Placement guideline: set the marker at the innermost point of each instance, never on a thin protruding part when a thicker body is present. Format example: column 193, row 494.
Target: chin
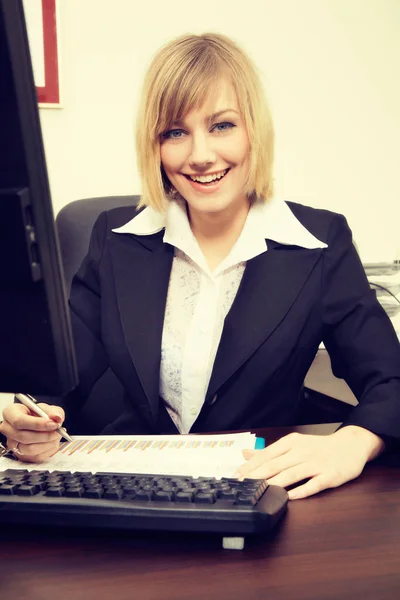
column 207, row 205
column 212, row 205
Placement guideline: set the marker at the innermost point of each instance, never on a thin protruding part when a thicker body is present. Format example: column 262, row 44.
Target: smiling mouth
column 207, row 179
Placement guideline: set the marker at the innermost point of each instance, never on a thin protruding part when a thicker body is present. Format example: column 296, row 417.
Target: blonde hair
column 177, row 82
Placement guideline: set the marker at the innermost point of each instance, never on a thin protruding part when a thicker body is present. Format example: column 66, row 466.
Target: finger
column 38, row 458
column 257, row 457
column 258, row 467
column 281, row 446
column 13, row 446
column 253, row 464
column 46, row 433
column 35, row 437
column 293, row 475
column 249, row 453
column 18, row 416
column 310, row 488
column 34, row 450
column 56, row 413
column 240, row 473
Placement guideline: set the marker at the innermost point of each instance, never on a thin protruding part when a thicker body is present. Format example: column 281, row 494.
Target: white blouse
column 198, row 300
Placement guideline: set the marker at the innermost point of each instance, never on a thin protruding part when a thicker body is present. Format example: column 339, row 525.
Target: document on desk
column 192, row 455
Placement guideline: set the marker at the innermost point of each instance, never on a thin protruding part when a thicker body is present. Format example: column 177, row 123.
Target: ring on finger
column 16, row 449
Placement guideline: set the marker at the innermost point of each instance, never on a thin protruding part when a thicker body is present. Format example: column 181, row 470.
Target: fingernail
column 51, row 425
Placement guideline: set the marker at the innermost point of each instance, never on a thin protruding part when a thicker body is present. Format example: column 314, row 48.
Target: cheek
column 244, row 149
column 171, row 158
column 164, row 158
column 237, row 151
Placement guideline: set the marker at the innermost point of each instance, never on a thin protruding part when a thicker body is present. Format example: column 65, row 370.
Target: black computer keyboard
column 141, row 502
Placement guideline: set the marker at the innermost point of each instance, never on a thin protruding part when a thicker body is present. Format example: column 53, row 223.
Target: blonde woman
column 208, row 306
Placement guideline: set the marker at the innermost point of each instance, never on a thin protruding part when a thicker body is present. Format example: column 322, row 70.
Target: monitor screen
column 36, row 349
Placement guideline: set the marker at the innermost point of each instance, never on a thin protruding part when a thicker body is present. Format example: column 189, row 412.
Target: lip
column 206, row 174
column 210, row 188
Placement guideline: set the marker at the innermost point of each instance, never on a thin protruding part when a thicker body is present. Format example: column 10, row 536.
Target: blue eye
column 173, row 134
column 220, row 127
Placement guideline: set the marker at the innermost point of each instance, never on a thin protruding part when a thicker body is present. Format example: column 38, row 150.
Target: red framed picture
column 43, row 32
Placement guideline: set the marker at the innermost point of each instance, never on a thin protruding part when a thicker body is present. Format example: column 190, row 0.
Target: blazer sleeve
column 359, row 336
column 85, row 311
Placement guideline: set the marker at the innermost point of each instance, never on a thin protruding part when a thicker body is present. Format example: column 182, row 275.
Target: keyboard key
column 113, row 494
column 144, row 495
column 162, row 495
column 27, row 490
column 90, row 481
column 8, row 489
column 187, row 490
column 73, row 492
column 93, row 492
column 166, row 488
column 204, row 487
column 205, row 498
column 72, row 481
column 245, row 500
column 249, row 493
column 54, row 481
column 126, row 480
column 39, row 483
column 130, row 489
column 55, row 491
column 184, row 497
column 108, row 481
column 228, row 495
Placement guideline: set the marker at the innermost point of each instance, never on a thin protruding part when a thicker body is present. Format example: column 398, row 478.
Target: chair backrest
column 74, row 224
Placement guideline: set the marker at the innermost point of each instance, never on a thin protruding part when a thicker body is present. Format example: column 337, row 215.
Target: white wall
column 331, row 68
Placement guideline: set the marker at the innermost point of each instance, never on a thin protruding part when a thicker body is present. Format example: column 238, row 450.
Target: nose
column 202, row 155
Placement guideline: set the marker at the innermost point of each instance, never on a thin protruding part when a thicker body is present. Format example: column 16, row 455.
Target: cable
column 381, row 287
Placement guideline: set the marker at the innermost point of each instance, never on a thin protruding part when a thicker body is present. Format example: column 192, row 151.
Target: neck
column 216, row 233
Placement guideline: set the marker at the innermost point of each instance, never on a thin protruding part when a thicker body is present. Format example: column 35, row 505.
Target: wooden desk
column 342, row 544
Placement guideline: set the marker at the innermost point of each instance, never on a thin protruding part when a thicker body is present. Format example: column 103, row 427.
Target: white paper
column 192, row 455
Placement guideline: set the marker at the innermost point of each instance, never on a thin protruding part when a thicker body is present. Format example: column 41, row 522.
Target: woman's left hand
column 325, row 461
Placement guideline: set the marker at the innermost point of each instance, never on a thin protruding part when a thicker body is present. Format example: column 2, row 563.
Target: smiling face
column 206, row 155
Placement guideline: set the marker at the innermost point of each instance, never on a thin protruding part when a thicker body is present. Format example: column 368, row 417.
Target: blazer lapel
column 142, row 267
column 270, row 284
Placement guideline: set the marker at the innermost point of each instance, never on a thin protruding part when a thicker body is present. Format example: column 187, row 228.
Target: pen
column 31, row 403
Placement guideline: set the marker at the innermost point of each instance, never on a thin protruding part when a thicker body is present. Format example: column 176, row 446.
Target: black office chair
column 74, row 224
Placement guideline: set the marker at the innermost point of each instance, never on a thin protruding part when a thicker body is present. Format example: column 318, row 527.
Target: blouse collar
column 271, row 220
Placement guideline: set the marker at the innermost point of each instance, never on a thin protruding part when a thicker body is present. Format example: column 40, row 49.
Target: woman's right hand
column 33, row 439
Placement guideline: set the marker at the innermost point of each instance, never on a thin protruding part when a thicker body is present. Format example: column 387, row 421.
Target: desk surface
column 339, row 545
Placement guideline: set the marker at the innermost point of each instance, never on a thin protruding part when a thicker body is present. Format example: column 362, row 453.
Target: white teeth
column 208, row 178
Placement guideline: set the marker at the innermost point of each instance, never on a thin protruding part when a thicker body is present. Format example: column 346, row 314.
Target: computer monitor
column 36, row 348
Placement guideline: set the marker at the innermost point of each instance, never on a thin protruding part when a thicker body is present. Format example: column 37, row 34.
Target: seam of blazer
column 104, row 239
column 336, row 221
column 323, row 272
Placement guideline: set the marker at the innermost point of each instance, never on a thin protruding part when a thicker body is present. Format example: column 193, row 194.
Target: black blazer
column 289, row 300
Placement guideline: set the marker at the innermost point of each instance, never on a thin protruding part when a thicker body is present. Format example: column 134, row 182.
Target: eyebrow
column 210, row 118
